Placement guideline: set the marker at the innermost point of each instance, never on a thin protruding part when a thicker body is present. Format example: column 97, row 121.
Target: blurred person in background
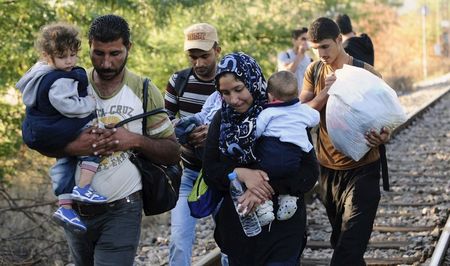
column 295, row 59
column 360, row 47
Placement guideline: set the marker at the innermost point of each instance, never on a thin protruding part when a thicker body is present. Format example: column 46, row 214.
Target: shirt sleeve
column 261, row 122
column 63, row 95
column 159, row 125
column 312, row 114
column 171, row 96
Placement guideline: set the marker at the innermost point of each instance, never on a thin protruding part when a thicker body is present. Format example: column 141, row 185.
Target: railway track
column 412, row 215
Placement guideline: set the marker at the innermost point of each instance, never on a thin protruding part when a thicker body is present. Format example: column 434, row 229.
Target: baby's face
column 65, row 61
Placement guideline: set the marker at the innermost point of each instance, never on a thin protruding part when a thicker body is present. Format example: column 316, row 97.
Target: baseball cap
column 200, row 36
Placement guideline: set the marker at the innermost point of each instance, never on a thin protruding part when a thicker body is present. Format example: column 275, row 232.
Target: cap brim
column 202, row 45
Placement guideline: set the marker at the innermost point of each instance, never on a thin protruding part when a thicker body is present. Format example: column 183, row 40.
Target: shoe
column 87, row 194
column 287, row 207
column 69, row 219
column 265, row 213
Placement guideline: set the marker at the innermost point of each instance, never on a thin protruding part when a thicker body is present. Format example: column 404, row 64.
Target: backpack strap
column 145, row 113
column 381, row 148
column 144, row 105
column 358, row 63
column 384, row 167
column 182, row 80
column 316, row 71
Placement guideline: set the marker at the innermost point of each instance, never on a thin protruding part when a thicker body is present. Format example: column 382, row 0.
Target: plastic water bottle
column 250, row 222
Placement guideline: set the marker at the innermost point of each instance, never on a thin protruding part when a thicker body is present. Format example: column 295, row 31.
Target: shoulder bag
column 160, row 183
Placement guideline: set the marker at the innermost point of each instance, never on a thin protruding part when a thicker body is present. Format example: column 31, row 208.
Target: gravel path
column 153, row 248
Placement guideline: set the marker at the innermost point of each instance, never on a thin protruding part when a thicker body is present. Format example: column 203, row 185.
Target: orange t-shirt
column 327, row 154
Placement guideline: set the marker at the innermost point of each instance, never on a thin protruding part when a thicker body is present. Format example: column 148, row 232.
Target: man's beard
column 204, row 72
column 109, row 74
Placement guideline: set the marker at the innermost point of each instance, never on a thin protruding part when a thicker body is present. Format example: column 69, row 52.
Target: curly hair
column 58, row 38
column 323, row 28
column 109, row 28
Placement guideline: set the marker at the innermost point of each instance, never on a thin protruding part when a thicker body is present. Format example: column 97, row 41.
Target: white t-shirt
column 288, row 123
column 116, row 176
column 288, row 57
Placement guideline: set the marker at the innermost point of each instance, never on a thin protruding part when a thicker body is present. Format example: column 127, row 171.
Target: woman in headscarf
column 230, row 148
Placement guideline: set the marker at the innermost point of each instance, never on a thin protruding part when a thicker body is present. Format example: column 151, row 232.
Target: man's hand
column 374, row 139
column 120, row 140
column 329, row 80
column 198, row 136
column 91, row 141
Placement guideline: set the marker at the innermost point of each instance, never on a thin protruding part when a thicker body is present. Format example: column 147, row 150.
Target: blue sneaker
column 69, row 219
column 87, row 194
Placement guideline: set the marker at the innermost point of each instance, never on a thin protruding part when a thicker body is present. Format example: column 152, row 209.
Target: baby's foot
column 265, row 213
column 287, row 207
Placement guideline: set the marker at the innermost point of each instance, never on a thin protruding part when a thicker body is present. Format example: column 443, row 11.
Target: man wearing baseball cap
column 186, row 92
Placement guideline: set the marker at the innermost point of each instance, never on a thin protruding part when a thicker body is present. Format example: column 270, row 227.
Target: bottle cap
column 232, row 175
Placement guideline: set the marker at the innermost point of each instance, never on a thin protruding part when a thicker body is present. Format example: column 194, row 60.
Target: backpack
column 382, row 148
column 182, row 80
column 203, row 200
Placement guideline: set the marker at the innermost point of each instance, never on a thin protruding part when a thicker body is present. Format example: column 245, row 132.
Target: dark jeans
column 112, row 238
column 272, row 153
column 293, row 261
column 351, row 199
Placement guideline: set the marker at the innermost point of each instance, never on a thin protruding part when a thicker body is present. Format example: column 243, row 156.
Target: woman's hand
column 374, row 139
column 248, row 203
column 256, row 181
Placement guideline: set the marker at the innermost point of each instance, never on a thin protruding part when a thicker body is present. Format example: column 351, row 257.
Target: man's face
column 204, row 62
column 108, row 58
column 301, row 43
column 327, row 50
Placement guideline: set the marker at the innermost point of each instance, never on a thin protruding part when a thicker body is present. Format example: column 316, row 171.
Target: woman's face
column 235, row 93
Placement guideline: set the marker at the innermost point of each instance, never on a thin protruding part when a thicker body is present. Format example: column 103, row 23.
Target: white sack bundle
column 359, row 101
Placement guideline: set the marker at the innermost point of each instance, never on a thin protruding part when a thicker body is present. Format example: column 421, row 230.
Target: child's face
column 64, row 61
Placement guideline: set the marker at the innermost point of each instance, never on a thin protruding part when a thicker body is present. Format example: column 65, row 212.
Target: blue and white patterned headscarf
column 238, row 131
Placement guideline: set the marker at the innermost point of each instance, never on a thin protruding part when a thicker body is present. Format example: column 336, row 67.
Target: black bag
column 160, row 183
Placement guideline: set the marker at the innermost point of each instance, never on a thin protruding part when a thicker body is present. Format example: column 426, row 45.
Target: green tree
column 260, row 28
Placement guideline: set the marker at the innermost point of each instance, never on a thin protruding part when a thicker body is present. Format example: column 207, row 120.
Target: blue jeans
column 112, row 238
column 182, row 231
column 62, row 174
